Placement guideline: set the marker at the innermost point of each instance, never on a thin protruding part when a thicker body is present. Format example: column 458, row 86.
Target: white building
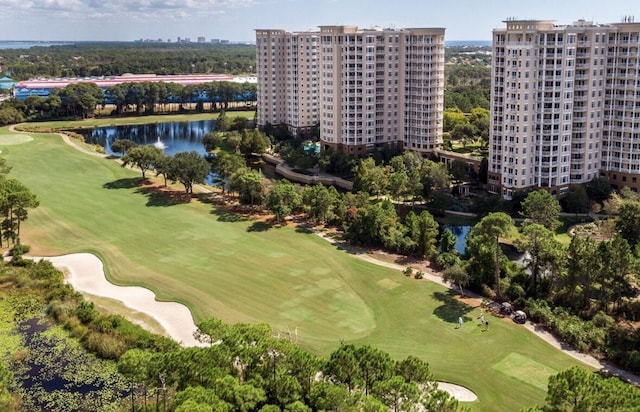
column 363, row 88
column 565, row 105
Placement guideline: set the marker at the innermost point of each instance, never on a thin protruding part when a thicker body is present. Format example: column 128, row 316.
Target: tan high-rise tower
column 364, row 88
column 565, row 105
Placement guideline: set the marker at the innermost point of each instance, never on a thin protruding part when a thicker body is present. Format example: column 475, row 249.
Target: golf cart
column 506, row 308
column 519, row 317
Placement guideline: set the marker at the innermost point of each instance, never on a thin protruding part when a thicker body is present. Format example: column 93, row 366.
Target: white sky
column 127, row 20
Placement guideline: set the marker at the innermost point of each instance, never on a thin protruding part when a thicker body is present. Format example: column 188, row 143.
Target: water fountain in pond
column 159, row 144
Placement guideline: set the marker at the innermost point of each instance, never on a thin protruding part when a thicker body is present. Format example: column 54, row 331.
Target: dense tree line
column 467, row 85
column 82, row 99
column 85, row 59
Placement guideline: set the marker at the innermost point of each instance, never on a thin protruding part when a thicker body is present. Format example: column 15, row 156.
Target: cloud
column 148, row 9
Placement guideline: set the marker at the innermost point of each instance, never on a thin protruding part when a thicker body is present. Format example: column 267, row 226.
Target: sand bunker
column 459, row 392
column 85, row 273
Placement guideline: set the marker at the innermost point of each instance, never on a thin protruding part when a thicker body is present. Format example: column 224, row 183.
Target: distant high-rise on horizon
column 363, row 88
column 565, row 105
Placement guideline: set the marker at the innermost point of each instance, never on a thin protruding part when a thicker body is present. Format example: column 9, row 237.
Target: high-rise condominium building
column 363, row 88
column 565, row 105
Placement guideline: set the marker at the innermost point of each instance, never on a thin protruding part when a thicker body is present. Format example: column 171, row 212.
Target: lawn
column 243, row 271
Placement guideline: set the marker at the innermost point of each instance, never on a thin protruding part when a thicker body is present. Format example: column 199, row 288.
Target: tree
column 122, row 145
column 10, row 115
column 599, row 189
column 576, row 201
column 544, row 250
column 225, row 164
column 304, row 366
column 142, row 157
column 343, row 366
column 212, row 141
column 369, row 178
column 483, row 247
column 616, row 263
column 628, row 221
column 456, row 275
column 282, row 199
column 15, row 201
column 540, row 207
column 415, row 370
column 447, row 241
column 396, row 393
column 197, row 398
column 326, row 396
column 423, row 230
column 222, row 122
column 211, row 330
column 253, row 142
column 375, row 365
column 434, row 177
column 576, row 282
column 189, row 168
column 163, row 167
column 133, row 365
column 577, row 389
column 249, row 185
column 464, row 133
column 320, row 201
column 79, row 99
column 376, row 225
column 453, row 118
column 479, row 118
column 440, row 401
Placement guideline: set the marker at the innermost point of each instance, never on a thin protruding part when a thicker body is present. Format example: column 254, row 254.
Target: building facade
column 363, row 88
column 287, row 70
column 565, row 105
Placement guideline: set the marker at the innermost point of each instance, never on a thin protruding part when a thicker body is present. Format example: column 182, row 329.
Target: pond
column 460, row 232
column 56, row 374
column 171, row 137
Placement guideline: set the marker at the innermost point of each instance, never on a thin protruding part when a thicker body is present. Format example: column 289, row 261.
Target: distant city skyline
column 129, row 20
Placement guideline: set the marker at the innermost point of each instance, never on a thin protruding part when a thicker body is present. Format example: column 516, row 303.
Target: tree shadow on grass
column 451, row 308
column 162, row 197
column 126, row 183
column 259, row 226
column 225, row 215
column 303, row 229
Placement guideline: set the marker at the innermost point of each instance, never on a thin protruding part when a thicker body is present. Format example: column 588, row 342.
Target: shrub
column 19, row 250
column 419, row 274
column 408, row 271
column 105, row 345
column 86, row 312
column 539, row 311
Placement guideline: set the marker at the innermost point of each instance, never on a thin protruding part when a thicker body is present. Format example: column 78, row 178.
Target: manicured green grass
column 243, row 271
column 7, row 139
column 116, row 121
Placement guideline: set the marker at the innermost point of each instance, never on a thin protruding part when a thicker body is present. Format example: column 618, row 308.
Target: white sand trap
column 85, row 273
column 459, row 392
